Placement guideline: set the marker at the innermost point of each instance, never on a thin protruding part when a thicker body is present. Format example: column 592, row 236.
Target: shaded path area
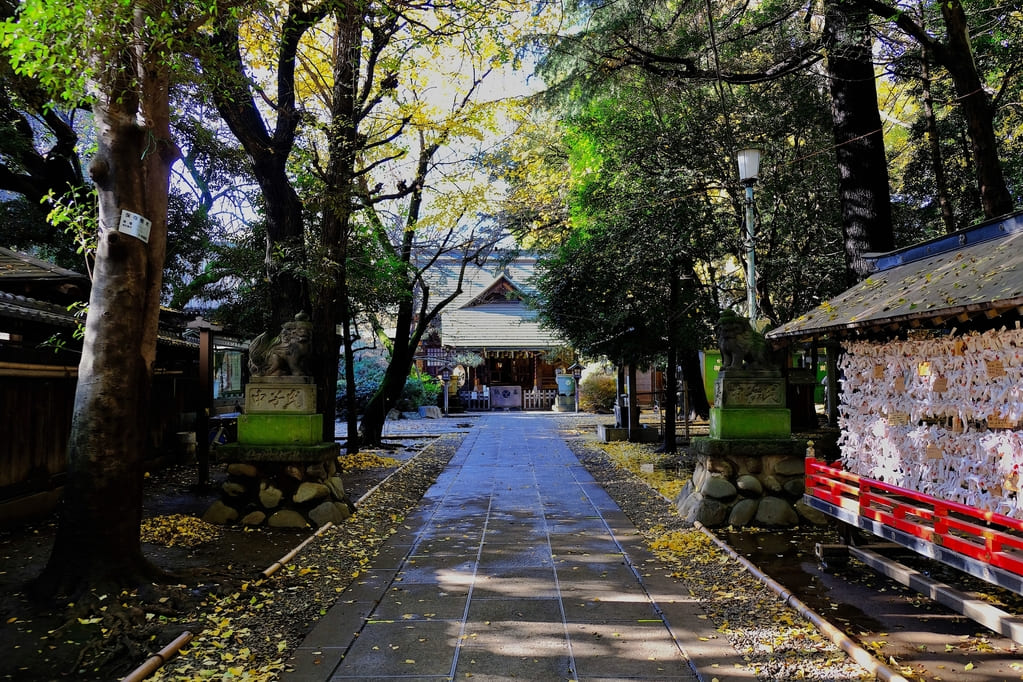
column 515, row 565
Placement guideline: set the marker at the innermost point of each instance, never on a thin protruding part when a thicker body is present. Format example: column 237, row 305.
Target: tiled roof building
column 493, row 323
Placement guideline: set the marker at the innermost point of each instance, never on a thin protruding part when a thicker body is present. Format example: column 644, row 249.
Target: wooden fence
column 35, row 422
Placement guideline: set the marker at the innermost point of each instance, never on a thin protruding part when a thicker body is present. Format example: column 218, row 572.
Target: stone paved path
column 516, row 565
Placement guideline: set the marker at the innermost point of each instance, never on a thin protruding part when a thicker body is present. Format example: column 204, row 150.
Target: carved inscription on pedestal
column 268, row 398
column 750, row 393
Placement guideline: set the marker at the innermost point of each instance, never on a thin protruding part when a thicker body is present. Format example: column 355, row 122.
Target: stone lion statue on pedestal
column 284, row 355
column 741, row 346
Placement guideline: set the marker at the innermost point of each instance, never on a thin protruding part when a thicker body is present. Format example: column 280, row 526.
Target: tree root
column 121, row 625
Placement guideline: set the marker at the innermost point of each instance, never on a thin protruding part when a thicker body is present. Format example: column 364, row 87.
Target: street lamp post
column 749, row 169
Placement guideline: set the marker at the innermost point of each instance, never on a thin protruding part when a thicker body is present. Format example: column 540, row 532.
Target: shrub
column 369, row 373
column 420, row 389
column 597, row 393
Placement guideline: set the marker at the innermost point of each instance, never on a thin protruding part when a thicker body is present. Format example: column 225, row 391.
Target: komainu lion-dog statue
column 284, row 355
column 741, row 346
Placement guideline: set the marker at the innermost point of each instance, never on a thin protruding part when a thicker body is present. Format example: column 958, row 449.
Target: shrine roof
column 496, row 326
column 16, row 266
column 49, row 314
column 479, row 280
column 977, row 271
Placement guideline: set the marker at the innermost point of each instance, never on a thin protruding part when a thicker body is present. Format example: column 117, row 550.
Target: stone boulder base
column 220, row 514
column 745, row 482
column 743, row 512
column 749, row 485
column 718, row 488
column 774, row 512
column 329, row 512
column 254, row 518
column 814, row 516
column 283, row 487
column 287, row 518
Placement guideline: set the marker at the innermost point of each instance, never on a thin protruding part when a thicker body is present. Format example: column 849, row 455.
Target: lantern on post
column 445, row 377
column 577, row 371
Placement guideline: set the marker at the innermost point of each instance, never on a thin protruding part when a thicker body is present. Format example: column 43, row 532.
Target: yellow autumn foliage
column 692, row 544
column 633, row 456
column 366, row 460
column 177, row 530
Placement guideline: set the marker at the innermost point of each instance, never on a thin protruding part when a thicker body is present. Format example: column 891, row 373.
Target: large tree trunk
column 268, row 153
column 670, row 406
column 863, row 169
column 934, row 145
column 289, row 293
column 957, row 56
column 352, row 420
column 388, row 393
column 693, row 377
column 97, row 543
column 977, row 111
column 330, row 284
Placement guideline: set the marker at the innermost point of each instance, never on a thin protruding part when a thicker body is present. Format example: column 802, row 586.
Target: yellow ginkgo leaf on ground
column 177, row 530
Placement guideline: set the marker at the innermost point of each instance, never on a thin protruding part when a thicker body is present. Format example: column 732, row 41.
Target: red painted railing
column 981, row 535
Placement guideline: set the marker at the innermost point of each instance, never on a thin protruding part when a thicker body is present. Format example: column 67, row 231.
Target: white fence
column 532, row 399
column 539, row 400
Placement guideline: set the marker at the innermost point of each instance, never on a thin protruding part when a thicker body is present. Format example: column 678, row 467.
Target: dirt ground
column 45, row 643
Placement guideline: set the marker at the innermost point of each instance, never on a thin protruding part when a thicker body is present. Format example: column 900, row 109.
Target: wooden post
column 202, row 414
column 204, row 408
column 832, row 400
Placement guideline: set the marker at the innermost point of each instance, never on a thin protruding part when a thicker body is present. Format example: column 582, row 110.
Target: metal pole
column 751, row 267
column 445, row 397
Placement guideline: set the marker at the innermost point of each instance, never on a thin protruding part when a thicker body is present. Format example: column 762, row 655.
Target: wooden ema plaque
column 995, row 369
column 997, row 421
column 940, row 385
column 898, row 419
column 879, row 371
column 933, row 452
column 900, row 384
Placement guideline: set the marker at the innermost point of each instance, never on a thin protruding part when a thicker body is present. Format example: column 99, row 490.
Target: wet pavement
column 414, row 426
column 515, row 565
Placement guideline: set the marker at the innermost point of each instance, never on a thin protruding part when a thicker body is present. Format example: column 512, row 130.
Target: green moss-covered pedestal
column 280, row 472
column 749, row 404
column 750, row 470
